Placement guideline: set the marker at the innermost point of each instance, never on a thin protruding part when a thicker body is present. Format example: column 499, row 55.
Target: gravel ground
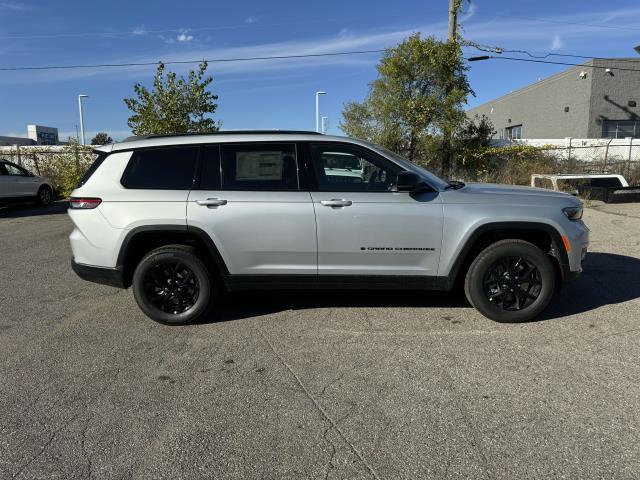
column 316, row 385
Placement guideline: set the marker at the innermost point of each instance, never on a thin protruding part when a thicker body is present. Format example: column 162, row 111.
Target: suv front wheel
column 173, row 286
column 510, row 281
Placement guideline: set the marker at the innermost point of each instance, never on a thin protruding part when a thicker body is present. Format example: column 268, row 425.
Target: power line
column 500, row 50
column 562, row 22
column 493, row 57
column 211, row 60
column 333, row 54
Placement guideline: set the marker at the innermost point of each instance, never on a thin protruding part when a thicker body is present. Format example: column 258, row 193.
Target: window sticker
column 259, row 166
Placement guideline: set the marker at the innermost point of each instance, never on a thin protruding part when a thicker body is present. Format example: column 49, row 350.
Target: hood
column 495, row 193
column 498, row 189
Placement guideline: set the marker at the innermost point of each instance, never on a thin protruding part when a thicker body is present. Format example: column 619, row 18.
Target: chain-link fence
column 606, row 155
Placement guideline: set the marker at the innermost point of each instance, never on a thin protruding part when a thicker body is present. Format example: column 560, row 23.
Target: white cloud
column 168, row 40
column 556, row 43
column 250, row 20
column 139, row 30
column 184, row 37
column 15, row 6
column 470, row 12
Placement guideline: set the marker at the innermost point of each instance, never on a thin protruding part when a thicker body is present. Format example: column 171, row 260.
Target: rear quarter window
column 92, row 168
column 170, row 168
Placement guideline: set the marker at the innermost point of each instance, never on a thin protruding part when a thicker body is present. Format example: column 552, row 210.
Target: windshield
column 433, row 180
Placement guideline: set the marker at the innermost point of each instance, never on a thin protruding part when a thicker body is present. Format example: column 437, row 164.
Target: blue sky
column 276, row 93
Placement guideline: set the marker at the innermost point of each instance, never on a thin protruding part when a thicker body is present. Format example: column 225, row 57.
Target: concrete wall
column 539, row 108
column 610, row 95
column 585, row 149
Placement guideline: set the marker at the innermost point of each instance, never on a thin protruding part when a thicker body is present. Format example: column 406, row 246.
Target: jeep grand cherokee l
column 183, row 218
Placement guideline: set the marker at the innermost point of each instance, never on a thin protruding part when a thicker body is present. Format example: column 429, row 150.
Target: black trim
column 556, row 238
column 105, row 276
column 134, row 138
column 159, row 229
column 322, row 281
column 571, row 276
column 331, row 282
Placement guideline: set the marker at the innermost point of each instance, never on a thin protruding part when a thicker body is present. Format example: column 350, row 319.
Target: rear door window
column 261, row 167
column 169, row 168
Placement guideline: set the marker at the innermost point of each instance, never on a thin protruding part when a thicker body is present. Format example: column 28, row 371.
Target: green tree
column 101, row 139
column 419, row 93
column 174, row 105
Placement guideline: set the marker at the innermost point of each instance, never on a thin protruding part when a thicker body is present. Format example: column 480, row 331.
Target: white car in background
column 18, row 185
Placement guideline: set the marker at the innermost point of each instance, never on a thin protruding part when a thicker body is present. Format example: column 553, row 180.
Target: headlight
column 573, row 213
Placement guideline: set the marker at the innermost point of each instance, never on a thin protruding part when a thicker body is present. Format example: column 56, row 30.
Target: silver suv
column 184, row 218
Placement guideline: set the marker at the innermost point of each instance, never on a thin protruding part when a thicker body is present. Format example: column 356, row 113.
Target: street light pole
column 80, row 97
column 318, row 109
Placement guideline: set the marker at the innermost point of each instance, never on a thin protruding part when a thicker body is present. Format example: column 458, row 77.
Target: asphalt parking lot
column 348, row 385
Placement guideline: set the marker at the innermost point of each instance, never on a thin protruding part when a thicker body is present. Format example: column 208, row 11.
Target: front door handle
column 211, row 202
column 336, row 202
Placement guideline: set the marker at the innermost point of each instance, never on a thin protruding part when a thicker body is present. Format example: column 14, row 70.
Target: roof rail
column 221, row 132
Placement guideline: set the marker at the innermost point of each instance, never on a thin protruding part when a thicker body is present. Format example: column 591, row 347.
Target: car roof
column 236, row 136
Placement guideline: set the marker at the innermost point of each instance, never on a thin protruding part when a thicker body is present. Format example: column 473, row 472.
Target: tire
column 45, row 195
column 517, row 276
column 173, row 286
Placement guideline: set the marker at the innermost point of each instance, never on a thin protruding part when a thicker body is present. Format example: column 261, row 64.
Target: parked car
column 182, row 219
column 18, row 185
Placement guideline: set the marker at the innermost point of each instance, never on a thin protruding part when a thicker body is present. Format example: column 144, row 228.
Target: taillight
column 84, row 203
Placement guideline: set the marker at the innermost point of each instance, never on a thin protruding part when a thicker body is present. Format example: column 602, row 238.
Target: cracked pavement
column 326, row 385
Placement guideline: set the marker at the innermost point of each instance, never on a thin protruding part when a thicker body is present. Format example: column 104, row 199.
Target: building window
column 620, row 128
column 513, row 133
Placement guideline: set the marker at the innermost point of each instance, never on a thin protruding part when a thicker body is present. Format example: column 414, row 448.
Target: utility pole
column 453, row 19
column 447, row 150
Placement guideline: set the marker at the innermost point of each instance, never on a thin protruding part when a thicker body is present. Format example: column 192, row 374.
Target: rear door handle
column 211, row 202
column 336, row 202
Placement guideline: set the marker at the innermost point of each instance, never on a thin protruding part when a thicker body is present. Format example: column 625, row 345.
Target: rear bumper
column 103, row 275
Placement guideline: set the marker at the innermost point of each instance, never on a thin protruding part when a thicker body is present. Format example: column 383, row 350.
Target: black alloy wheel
column 172, row 285
column 512, row 283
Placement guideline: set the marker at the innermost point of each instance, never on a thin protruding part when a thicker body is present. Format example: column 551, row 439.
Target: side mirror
column 411, row 182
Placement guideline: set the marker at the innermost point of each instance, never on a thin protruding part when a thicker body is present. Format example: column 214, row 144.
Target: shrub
column 511, row 164
column 63, row 166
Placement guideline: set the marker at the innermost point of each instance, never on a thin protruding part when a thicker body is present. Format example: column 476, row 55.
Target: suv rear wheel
column 173, row 286
column 510, row 281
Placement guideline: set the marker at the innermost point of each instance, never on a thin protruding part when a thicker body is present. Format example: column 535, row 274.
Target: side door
column 7, row 182
column 364, row 227
column 250, row 203
column 24, row 184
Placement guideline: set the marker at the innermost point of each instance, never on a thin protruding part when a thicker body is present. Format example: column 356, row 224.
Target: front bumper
column 577, row 234
column 106, row 276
